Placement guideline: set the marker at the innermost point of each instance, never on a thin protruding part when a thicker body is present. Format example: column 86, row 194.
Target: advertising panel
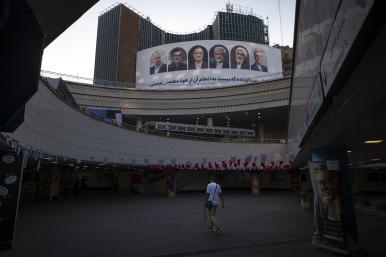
column 206, row 64
column 10, row 181
column 334, row 215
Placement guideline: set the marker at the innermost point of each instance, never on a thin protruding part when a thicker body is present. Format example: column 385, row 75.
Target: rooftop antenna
column 268, row 28
column 229, row 7
column 281, row 25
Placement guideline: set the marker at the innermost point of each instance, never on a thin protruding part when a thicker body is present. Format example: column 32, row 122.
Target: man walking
column 212, row 199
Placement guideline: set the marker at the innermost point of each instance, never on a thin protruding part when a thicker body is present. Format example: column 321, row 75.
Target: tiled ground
column 106, row 224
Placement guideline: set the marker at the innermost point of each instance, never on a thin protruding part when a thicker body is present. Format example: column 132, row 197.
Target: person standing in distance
column 214, row 195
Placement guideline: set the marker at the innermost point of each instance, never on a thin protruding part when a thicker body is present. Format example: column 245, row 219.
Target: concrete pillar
column 118, row 118
column 55, row 183
column 170, row 185
column 261, row 132
column 209, row 121
column 255, row 184
column 139, row 123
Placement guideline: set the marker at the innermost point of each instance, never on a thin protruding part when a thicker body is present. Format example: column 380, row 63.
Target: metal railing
column 132, row 86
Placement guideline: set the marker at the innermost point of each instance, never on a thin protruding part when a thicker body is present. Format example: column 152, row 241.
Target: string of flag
column 249, row 163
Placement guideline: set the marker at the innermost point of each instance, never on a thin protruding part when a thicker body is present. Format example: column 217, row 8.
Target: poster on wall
column 206, row 63
column 10, row 181
column 329, row 215
column 348, row 22
column 314, row 103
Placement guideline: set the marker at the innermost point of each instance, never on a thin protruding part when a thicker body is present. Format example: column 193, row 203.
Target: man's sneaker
column 211, row 229
column 218, row 230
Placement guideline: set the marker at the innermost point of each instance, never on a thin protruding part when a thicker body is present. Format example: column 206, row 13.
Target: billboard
column 334, row 214
column 206, row 64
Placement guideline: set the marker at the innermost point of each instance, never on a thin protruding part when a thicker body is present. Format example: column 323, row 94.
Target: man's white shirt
column 219, row 65
column 214, row 191
column 156, row 68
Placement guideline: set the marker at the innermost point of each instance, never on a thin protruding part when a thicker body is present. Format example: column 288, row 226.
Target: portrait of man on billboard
column 177, row 58
column 259, row 57
column 329, row 194
column 239, row 58
column 198, row 58
column 156, row 62
column 219, row 57
column 328, row 207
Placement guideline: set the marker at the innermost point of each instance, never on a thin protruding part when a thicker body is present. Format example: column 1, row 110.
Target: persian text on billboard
column 206, row 64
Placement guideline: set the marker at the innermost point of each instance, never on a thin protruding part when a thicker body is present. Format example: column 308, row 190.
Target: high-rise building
column 122, row 32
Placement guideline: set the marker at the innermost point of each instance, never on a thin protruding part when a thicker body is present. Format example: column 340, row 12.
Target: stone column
column 118, row 118
column 139, row 123
column 170, row 185
column 255, row 184
column 261, row 132
column 209, row 121
column 55, row 183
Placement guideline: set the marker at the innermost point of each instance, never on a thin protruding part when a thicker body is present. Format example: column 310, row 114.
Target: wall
column 55, row 127
column 127, row 45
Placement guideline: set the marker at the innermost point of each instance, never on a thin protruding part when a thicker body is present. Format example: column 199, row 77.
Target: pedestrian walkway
column 270, row 224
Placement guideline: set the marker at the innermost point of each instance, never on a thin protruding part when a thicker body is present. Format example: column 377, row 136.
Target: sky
column 73, row 52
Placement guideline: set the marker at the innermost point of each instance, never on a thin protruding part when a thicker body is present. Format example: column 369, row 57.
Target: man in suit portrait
column 177, row 63
column 219, row 60
column 259, row 56
column 198, row 58
column 158, row 66
column 241, row 59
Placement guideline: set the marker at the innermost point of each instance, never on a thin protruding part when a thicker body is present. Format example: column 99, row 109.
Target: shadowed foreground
column 271, row 224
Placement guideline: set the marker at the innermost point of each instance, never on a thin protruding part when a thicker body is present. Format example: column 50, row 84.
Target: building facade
column 122, row 32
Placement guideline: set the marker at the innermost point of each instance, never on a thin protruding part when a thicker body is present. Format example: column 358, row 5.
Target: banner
column 326, row 182
column 11, row 166
column 206, row 64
